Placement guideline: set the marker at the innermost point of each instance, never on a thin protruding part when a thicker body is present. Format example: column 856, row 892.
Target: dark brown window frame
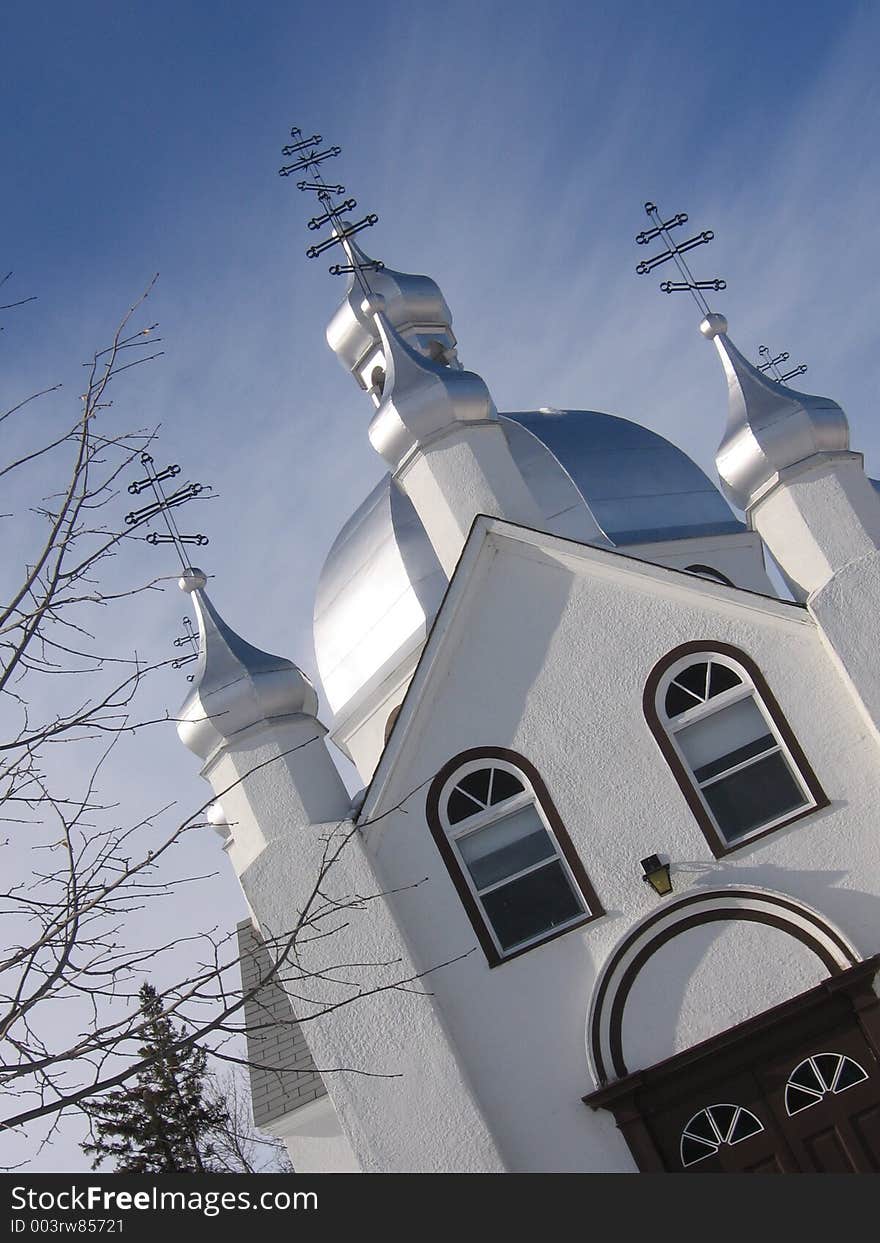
column 453, row 866
column 718, row 845
column 706, row 571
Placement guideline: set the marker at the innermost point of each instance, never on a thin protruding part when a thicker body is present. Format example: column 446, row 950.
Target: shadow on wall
column 523, row 618
column 855, row 912
column 710, row 976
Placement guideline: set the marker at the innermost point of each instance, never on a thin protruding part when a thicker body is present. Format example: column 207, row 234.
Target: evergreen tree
column 163, row 1123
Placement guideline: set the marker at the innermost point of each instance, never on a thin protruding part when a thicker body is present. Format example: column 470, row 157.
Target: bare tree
column 71, row 872
column 75, row 871
column 238, row 1147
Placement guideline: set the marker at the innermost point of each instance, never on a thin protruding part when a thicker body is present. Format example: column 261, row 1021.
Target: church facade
column 609, row 898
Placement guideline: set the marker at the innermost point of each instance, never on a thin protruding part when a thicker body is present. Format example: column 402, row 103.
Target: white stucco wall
column 739, row 557
column 546, row 651
column 708, row 978
column 400, row 1093
column 360, row 732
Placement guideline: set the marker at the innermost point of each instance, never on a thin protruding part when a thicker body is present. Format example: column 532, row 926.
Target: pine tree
column 161, row 1125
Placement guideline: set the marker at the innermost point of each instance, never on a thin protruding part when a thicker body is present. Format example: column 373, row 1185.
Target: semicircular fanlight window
column 479, row 790
column 818, row 1076
column 697, row 684
column 714, row 1126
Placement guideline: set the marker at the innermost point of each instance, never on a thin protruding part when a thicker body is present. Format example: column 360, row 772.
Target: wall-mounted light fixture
column 656, row 874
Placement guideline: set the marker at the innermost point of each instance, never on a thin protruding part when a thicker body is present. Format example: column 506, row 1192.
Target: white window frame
column 464, row 828
column 717, row 703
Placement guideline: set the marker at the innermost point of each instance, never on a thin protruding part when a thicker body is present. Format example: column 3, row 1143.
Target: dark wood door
column 795, row 1089
column 825, row 1095
column 809, row 1106
column 723, row 1128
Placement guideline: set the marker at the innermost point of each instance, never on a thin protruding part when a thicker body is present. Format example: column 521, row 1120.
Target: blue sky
column 508, row 149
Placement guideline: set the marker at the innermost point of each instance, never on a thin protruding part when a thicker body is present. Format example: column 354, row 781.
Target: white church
column 610, row 900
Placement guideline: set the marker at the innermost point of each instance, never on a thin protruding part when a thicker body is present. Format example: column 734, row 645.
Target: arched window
column 819, row 1075
column 507, row 851
column 714, row 1126
column 727, row 742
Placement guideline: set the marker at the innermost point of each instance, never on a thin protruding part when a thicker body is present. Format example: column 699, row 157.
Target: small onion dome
column 235, row 685
column 412, row 304
column 421, row 397
column 769, row 426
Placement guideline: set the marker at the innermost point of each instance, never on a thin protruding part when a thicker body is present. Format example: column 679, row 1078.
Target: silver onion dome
column 413, row 306
column 769, row 426
column 639, row 487
column 596, row 478
column 421, row 397
column 235, row 685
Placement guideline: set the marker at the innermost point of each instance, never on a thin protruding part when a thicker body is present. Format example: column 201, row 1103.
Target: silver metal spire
column 420, row 395
column 412, row 304
column 769, row 426
column 235, row 685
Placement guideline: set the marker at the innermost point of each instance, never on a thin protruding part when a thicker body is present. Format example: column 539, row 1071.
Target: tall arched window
column 738, row 763
column 507, row 851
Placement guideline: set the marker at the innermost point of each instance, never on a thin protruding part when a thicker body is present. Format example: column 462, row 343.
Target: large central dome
column 597, row 478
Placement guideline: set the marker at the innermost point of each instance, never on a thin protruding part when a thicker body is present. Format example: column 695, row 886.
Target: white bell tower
column 785, row 459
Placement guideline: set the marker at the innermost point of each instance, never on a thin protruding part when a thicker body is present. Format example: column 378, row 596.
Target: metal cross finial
column 309, row 159
column 188, row 639
column 675, row 252
column 163, row 505
column 772, row 365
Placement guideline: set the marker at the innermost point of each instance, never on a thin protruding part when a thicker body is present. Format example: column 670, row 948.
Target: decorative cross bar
column 162, row 505
column 675, row 252
column 335, row 213
column 189, row 639
column 311, row 159
column 771, row 365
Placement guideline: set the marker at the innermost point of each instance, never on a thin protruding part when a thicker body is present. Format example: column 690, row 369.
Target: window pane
column 753, row 796
column 679, row 700
column 477, row 785
column 533, row 904
column 722, row 678
column 505, row 785
column 460, row 806
column 722, row 733
column 694, row 678
column 739, row 756
column 850, row 1074
column 505, row 847
column 746, row 1124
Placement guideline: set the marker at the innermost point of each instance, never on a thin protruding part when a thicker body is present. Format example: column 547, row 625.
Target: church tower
column 785, row 460
column 607, row 901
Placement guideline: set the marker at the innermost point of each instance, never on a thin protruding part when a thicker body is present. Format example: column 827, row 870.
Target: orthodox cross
column 771, row 365
column 308, row 160
column 162, row 506
column 188, row 639
column 675, row 251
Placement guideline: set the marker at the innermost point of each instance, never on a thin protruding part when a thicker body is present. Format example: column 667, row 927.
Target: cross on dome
column 235, row 684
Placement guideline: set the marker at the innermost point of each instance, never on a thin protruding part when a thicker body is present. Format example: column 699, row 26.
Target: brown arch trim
column 447, row 853
column 717, row 844
column 615, row 1035
column 708, row 572
column 725, row 911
